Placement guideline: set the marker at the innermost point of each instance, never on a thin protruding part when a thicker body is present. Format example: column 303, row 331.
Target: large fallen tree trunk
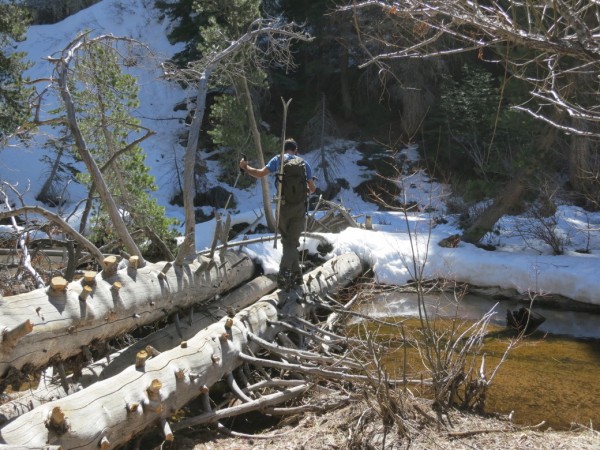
column 113, row 411
column 55, row 323
column 53, row 388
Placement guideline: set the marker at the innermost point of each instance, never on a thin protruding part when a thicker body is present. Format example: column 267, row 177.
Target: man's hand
column 243, row 163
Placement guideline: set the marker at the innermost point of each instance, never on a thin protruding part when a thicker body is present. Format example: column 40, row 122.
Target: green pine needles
column 104, row 98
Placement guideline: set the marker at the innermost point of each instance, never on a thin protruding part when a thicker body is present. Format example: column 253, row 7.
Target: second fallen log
column 113, row 411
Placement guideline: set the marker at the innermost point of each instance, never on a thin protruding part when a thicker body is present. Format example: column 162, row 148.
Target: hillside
column 516, row 262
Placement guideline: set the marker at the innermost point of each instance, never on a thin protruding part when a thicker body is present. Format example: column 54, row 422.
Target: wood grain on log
column 103, row 413
column 63, row 322
column 164, row 339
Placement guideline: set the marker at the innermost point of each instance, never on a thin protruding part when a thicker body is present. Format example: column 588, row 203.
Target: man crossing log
column 292, row 211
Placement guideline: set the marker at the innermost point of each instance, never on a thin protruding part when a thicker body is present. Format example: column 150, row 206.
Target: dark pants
column 291, row 225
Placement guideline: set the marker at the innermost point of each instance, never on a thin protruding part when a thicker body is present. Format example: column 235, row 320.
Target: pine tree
column 227, row 21
column 104, row 96
column 13, row 93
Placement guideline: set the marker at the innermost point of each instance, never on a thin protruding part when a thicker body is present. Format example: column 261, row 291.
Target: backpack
column 293, row 188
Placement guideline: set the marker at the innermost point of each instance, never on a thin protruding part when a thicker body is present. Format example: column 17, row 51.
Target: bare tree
column 271, row 41
column 63, row 80
column 561, row 36
column 552, row 47
column 259, row 149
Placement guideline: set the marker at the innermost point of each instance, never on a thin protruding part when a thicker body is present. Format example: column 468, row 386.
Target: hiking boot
column 284, row 279
column 297, row 278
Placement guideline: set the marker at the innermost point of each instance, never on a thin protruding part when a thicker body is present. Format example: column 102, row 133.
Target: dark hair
column 290, row 144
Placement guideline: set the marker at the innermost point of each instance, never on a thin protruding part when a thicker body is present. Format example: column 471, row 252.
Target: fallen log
column 161, row 340
column 56, row 322
column 172, row 335
column 113, row 411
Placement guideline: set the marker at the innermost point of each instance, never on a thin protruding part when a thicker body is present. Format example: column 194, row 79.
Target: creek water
column 473, row 307
column 551, row 376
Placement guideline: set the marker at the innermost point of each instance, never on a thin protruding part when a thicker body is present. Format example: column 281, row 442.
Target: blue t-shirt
column 273, row 165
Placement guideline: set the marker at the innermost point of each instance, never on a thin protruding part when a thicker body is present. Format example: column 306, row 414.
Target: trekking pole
column 241, row 172
column 280, row 174
column 306, row 223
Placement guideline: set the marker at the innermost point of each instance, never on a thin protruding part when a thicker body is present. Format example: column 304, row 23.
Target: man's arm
column 253, row 171
column 311, row 184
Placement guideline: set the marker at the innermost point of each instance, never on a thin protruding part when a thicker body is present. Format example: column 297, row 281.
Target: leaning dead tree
column 274, row 41
column 151, row 389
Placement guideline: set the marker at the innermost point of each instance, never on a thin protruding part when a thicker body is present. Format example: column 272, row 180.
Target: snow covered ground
column 526, row 265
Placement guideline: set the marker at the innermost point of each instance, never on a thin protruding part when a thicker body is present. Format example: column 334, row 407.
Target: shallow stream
column 552, row 376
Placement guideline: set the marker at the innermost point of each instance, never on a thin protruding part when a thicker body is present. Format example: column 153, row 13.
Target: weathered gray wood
column 168, row 337
column 113, row 411
column 161, row 340
column 45, row 324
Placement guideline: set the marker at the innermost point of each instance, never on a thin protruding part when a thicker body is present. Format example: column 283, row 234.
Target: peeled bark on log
column 168, row 337
column 113, row 411
column 64, row 320
column 161, row 340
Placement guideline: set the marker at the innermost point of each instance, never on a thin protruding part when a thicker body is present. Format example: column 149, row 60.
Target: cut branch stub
column 134, row 262
column 132, row 407
column 166, row 429
column 154, row 390
column 58, row 284
column 163, row 273
column 140, row 359
column 204, row 263
column 110, row 266
column 154, row 400
column 57, row 422
column 89, row 277
column 85, row 292
column 11, row 337
column 104, row 443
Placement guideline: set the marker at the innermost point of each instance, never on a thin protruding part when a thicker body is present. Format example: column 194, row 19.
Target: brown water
column 546, row 378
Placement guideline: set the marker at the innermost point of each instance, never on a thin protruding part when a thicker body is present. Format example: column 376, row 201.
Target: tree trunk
column 510, row 195
column 345, row 82
column 159, row 341
column 50, row 324
column 189, row 166
column 170, row 336
column 48, row 193
column 261, row 158
column 113, row 411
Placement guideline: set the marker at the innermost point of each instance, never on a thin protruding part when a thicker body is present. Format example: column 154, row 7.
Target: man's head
column 290, row 146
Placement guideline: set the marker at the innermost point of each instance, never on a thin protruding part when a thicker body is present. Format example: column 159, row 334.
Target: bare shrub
column 538, row 227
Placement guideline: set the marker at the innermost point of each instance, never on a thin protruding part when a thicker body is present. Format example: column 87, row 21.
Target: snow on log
column 111, row 412
column 54, row 323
